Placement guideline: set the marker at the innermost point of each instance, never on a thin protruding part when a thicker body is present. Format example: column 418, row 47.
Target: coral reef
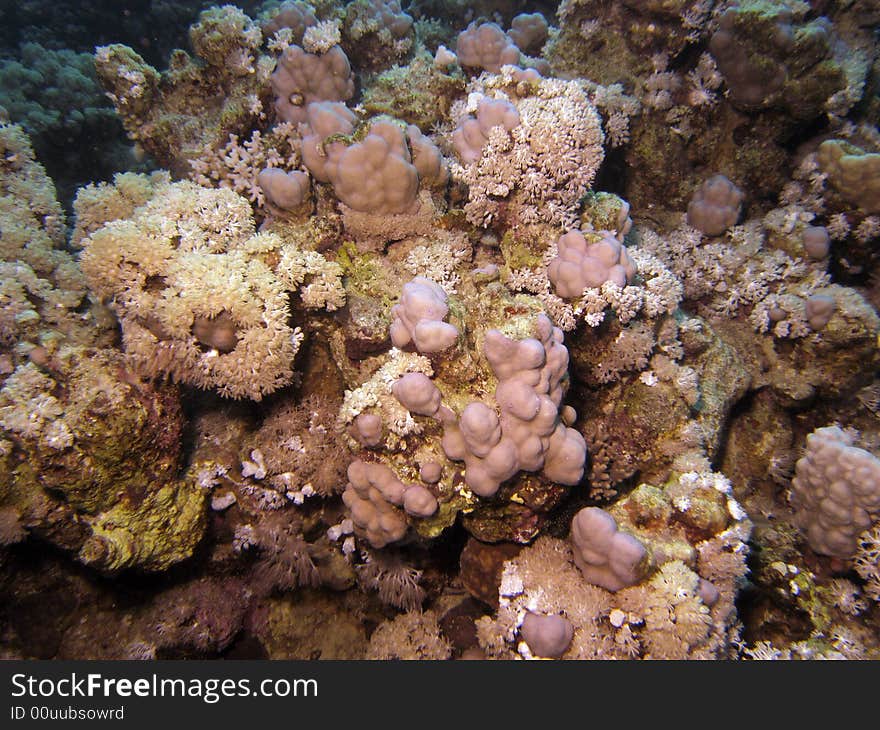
column 55, row 96
column 41, row 286
column 419, row 93
column 716, row 206
column 90, row 452
column 442, row 331
column 771, row 55
column 684, row 610
column 852, row 172
column 376, row 33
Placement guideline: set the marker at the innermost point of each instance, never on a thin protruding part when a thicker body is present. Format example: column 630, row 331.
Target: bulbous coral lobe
column 529, row 434
column 607, row 557
column 301, row 78
column 418, row 318
column 715, row 206
column 836, row 492
column 374, row 495
column 581, row 264
column 547, row 635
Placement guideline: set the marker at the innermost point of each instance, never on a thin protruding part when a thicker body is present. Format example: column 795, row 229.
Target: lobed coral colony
column 441, row 330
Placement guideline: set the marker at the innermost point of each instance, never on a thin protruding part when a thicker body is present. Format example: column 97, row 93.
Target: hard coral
column 715, row 206
column 852, row 171
column 771, row 55
column 379, row 170
column 377, row 33
column 372, row 496
column 607, row 557
column 301, row 78
column 109, row 448
column 418, row 318
column 528, row 435
column 486, row 46
column 579, row 265
column 836, row 492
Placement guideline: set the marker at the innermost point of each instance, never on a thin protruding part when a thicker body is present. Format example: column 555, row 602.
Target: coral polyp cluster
column 201, row 297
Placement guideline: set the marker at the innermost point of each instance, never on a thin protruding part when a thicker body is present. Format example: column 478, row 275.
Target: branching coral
column 237, row 165
column 739, row 272
column 413, row 635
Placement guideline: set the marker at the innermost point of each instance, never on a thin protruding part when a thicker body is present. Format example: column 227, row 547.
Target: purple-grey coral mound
column 292, row 14
column 301, row 78
column 381, row 173
column 580, row 264
column 547, row 636
column 374, row 495
column 284, row 190
column 835, row 491
column 715, row 206
column 529, row 434
column 817, row 242
column 418, row 318
column 417, row 393
column 473, row 132
column 486, row 46
column 529, row 31
column 607, row 557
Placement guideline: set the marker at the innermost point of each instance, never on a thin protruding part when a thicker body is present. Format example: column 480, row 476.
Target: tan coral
column 195, row 292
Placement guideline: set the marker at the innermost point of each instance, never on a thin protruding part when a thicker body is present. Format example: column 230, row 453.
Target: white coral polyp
column 541, row 168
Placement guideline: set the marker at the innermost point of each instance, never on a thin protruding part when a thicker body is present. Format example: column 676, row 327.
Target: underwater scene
column 440, row 329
